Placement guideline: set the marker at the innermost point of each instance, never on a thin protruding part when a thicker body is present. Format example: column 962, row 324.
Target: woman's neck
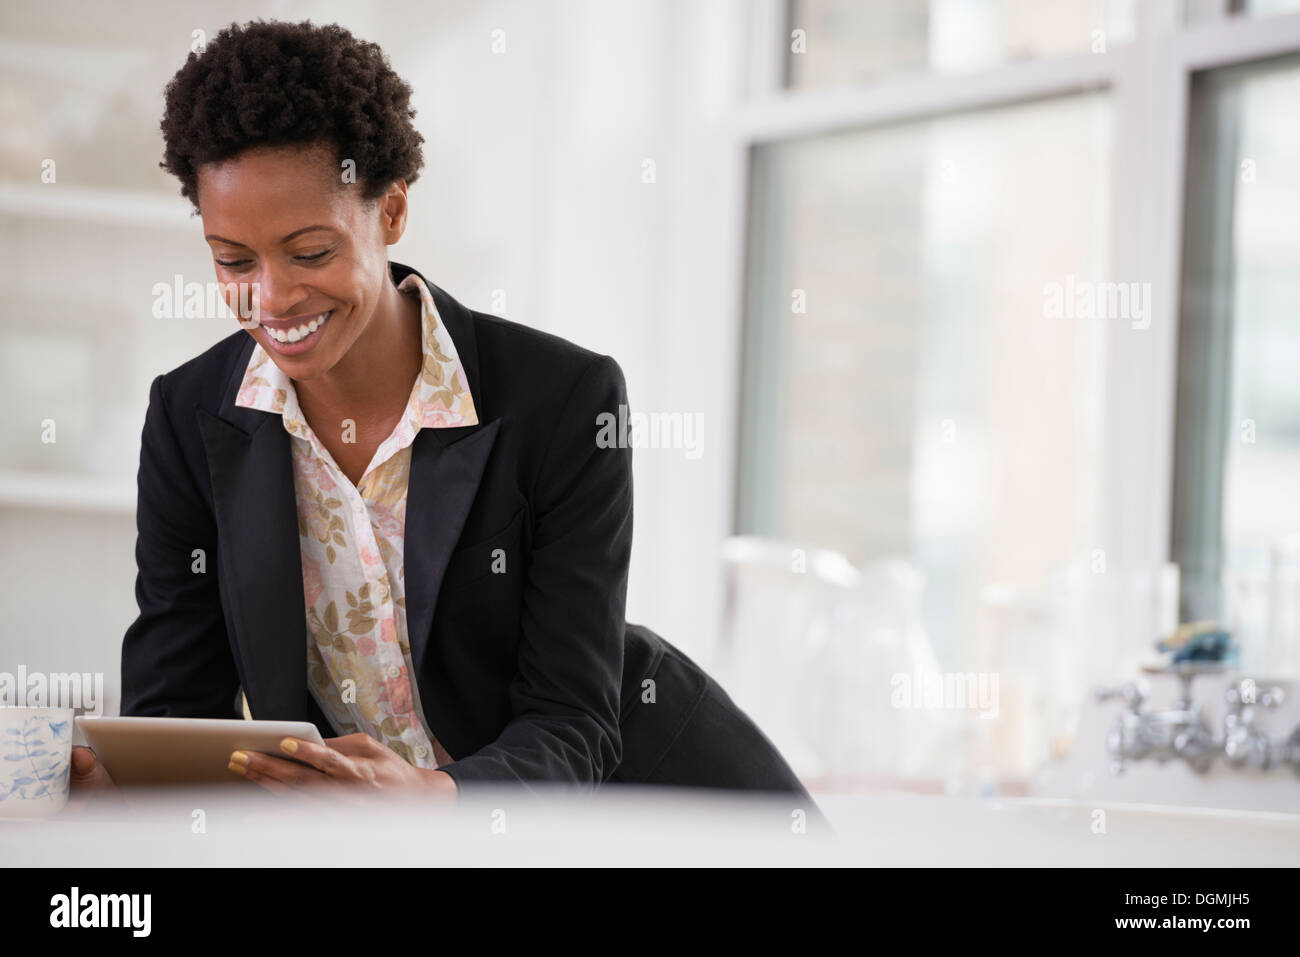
column 372, row 383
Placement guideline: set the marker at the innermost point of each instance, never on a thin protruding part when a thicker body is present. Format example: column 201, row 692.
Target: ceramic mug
column 35, row 756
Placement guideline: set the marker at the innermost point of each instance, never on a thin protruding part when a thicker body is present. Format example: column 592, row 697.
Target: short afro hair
column 268, row 84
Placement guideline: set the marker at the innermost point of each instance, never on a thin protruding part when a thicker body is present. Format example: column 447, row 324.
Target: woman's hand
column 355, row 762
column 88, row 780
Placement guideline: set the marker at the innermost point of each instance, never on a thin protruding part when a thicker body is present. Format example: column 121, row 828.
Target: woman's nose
column 277, row 292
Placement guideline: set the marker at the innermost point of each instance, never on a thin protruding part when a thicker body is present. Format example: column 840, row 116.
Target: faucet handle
column 1246, row 692
column 1132, row 693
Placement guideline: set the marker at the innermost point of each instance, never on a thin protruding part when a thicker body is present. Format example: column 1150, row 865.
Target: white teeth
column 298, row 334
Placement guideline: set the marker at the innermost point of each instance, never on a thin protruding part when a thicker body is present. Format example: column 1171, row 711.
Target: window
column 906, row 394
column 1238, row 453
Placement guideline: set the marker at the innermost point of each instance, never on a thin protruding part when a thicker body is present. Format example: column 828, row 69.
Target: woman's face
column 281, row 218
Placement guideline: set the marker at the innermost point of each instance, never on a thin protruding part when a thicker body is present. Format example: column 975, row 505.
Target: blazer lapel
column 445, row 474
column 446, row 468
column 250, row 464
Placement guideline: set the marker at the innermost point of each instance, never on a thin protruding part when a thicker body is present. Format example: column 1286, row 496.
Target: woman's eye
column 231, row 263
column 314, row 256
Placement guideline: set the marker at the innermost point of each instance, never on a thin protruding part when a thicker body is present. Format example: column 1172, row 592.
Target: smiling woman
column 420, row 543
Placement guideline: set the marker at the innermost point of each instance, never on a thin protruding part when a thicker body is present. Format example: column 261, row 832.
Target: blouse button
column 394, row 671
column 421, row 751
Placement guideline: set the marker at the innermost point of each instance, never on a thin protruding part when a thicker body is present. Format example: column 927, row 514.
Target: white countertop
column 648, row 828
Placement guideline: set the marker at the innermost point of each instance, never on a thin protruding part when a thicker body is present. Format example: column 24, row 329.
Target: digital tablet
column 186, row 751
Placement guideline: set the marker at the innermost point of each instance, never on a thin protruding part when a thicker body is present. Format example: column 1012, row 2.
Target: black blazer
column 524, row 676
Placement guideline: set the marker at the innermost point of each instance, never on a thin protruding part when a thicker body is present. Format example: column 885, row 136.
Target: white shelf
column 118, row 207
column 69, row 493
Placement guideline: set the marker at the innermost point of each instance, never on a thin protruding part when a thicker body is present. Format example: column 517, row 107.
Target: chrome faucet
column 1244, row 745
column 1183, row 732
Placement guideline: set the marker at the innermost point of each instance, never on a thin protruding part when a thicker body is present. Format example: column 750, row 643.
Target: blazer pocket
column 475, row 562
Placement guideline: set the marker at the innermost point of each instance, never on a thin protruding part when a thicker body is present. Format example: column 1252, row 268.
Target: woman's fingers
column 83, row 765
column 278, row 775
column 87, row 773
column 324, row 759
column 268, row 784
column 88, row 780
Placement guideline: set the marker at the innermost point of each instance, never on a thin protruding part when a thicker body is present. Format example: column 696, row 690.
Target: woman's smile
column 293, row 337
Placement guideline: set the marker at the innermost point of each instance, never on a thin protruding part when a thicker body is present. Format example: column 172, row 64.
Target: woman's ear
column 392, row 211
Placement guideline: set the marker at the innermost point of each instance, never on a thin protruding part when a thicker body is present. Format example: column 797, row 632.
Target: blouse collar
column 440, row 398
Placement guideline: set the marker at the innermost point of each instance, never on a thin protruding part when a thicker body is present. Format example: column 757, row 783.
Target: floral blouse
column 359, row 666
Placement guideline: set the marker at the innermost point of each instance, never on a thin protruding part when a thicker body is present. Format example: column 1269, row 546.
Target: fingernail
column 238, row 768
column 290, row 745
column 239, row 757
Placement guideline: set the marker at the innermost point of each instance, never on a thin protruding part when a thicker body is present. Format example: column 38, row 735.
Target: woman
column 375, row 509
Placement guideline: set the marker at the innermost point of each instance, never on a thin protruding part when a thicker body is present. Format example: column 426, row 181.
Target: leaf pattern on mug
column 34, row 759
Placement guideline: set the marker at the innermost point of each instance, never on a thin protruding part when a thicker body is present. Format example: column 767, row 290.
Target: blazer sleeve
column 565, row 695
column 176, row 657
